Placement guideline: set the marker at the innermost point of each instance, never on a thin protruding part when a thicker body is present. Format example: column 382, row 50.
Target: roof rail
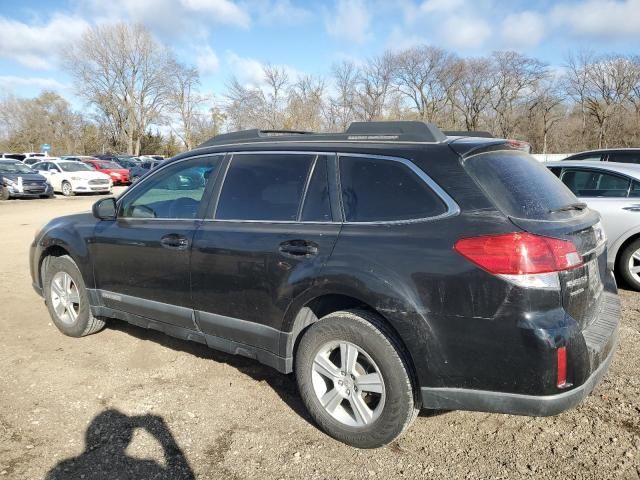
column 470, row 133
column 407, row 131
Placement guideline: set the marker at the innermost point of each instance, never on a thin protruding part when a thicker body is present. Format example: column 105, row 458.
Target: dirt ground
column 164, row 408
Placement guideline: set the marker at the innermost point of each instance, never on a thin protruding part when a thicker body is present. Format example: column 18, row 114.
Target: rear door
column 537, row 202
column 268, row 236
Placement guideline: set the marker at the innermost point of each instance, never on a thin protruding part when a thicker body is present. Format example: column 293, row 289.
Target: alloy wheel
column 65, row 297
column 348, row 383
column 634, row 265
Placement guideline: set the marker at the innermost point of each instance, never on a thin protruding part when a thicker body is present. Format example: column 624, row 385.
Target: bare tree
column 373, row 84
column 342, row 105
column 122, row 71
column 306, row 104
column 473, row 92
column 186, row 101
column 277, row 83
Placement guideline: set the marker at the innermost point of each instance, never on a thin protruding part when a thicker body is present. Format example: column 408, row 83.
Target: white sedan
column 69, row 177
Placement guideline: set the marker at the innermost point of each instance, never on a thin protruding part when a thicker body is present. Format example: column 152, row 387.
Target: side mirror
column 105, row 209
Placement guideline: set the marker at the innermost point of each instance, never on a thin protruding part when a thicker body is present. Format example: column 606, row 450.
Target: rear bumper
column 512, row 403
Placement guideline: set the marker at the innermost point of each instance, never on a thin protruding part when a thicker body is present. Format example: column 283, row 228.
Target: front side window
column 635, row 189
column 378, row 190
column 590, row 183
column 174, row 193
column 264, row 187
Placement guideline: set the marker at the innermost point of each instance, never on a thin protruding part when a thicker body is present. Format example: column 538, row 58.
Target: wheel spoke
column 362, row 412
column 636, row 255
column 59, row 309
column 67, row 283
column 325, row 367
column 331, row 400
column 74, row 297
column 348, row 357
column 72, row 313
column 635, row 269
column 370, row 382
column 56, row 288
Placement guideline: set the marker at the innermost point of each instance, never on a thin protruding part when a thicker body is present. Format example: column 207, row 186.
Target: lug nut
column 339, row 382
column 342, row 373
column 348, row 392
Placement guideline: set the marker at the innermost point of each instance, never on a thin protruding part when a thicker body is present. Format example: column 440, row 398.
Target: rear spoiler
column 463, row 133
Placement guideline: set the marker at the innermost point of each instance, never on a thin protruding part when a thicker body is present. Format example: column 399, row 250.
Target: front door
column 141, row 259
column 272, row 233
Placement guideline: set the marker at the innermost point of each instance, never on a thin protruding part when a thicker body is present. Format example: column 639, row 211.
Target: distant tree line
column 135, row 88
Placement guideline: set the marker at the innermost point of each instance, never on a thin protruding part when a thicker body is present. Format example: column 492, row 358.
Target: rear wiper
column 571, row 206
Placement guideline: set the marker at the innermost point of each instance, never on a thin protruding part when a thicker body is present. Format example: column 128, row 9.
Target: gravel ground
column 151, row 406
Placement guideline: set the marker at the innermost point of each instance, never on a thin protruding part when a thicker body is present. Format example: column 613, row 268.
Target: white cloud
column 524, row 29
column 465, row 32
column 599, row 18
column 37, row 45
column 11, row 82
column 248, row 71
column 207, row 61
column 430, row 6
column 281, row 12
column 221, row 11
column 349, row 21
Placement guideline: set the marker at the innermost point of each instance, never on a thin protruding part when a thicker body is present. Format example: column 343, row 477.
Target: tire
column 4, row 193
column 67, row 189
column 74, row 319
column 627, row 261
column 391, row 405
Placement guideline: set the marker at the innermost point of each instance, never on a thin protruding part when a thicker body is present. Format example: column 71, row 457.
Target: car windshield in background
column 17, row 167
column 74, row 167
column 108, row 165
column 520, row 186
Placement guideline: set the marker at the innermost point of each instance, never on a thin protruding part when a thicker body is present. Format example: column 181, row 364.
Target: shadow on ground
column 106, row 440
column 284, row 385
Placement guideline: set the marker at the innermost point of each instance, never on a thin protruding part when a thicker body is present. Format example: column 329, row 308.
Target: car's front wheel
column 4, row 193
column 67, row 189
column 629, row 265
column 354, row 378
column 67, row 298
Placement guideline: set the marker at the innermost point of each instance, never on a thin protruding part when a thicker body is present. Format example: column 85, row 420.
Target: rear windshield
column 520, row 186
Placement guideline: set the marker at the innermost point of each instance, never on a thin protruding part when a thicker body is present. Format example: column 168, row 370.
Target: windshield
column 106, row 165
column 73, row 167
column 17, row 167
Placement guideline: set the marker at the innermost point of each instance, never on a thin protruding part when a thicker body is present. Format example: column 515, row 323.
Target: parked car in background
column 118, row 174
column 77, row 158
column 139, row 171
column 69, row 177
column 13, row 156
column 18, row 180
column 35, row 154
column 33, row 160
column 618, row 155
column 613, row 189
column 390, row 267
column 129, row 163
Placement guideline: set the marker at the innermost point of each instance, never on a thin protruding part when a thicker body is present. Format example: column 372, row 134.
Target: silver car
column 613, row 189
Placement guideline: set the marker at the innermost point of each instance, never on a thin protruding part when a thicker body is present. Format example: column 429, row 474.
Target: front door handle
column 298, row 248
column 632, row 208
column 174, row 241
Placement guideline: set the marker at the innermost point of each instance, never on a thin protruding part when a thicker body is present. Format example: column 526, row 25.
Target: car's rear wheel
column 629, row 265
column 67, row 298
column 67, row 189
column 354, row 378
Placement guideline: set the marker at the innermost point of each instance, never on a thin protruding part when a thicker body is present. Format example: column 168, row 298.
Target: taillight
column 519, row 145
column 521, row 257
column 562, row 367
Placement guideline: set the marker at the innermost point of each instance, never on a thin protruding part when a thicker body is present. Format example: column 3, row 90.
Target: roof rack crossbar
column 407, row 131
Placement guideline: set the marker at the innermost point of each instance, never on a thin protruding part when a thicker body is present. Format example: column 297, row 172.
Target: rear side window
column 379, row 190
column 635, row 189
column 591, row 183
column 519, row 185
column 624, row 157
column 264, row 187
column 317, row 206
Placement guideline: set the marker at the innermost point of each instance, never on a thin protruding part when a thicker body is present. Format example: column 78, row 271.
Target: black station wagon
column 390, row 268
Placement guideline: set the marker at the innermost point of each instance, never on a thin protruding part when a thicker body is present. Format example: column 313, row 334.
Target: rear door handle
column 174, row 241
column 298, row 248
column 632, row 208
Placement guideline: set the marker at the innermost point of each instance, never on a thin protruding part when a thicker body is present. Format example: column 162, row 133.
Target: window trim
column 599, row 170
column 452, row 208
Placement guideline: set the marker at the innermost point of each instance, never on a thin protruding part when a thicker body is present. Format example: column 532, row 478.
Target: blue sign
column 45, row 148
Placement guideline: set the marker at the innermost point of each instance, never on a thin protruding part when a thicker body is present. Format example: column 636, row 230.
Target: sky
column 226, row 38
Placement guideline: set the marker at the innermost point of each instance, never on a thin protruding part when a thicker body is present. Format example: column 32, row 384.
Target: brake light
column 519, row 145
column 519, row 253
column 562, row 367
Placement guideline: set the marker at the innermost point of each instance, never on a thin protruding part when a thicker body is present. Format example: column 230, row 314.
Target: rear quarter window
column 519, row 185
